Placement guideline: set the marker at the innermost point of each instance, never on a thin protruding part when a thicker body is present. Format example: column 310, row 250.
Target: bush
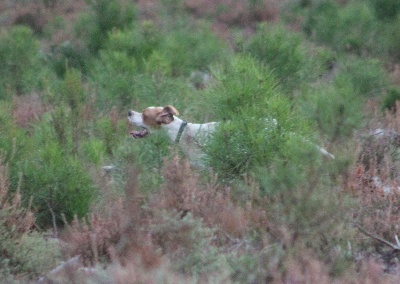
column 386, row 10
column 341, row 118
column 394, row 39
column 116, row 92
column 191, row 48
column 350, row 28
column 391, row 99
column 58, row 184
column 137, row 43
column 69, row 54
column 257, row 121
column 131, row 88
column 93, row 27
column 322, row 21
column 284, row 53
column 22, row 252
column 186, row 242
column 19, row 58
column 367, row 76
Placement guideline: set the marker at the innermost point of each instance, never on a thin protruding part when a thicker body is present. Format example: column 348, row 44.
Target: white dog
column 191, row 136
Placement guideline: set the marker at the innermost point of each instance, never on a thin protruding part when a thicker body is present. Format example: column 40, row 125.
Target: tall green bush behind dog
column 257, row 121
column 284, row 53
column 22, row 69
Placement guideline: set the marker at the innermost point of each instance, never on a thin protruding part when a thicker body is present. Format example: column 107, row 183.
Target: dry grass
column 16, row 219
column 27, row 109
column 231, row 12
column 374, row 182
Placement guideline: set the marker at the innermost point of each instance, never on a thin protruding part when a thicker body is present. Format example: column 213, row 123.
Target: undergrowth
column 82, row 201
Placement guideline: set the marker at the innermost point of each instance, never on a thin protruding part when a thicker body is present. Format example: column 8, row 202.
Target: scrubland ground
column 82, row 202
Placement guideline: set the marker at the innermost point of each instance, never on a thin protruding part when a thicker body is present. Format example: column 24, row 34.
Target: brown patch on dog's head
column 155, row 116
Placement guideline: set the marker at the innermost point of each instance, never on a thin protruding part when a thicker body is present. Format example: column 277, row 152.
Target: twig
column 53, row 217
column 379, row 239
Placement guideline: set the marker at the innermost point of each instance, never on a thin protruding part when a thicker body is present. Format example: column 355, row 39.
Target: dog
column 191, row 136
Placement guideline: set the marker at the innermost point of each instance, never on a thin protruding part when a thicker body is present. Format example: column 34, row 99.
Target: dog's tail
column 326, row 153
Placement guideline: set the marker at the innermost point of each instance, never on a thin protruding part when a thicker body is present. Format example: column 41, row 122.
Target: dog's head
column 151, row 117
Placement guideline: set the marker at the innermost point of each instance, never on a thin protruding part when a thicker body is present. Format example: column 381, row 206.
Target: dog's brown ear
column 166, row 116
column 170, row 110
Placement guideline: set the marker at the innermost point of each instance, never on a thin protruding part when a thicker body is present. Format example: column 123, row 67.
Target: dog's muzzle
column 143, row 132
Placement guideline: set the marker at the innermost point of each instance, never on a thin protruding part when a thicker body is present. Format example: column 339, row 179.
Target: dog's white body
column 191, row 136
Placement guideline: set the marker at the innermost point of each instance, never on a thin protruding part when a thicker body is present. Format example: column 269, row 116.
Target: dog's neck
column 174, row 127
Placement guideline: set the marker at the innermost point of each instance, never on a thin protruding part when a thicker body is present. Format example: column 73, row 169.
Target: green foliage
column 335, row 109
column 194, row 255
column 264, row 98
column 309, row 212
column 258, row 120
column 394, row 39
column 69, row 54
column 57, row 182
column 283, row 52
column 349, row 28
column 367, row 76
column 137, row 43
column 321, row 21
column 72, row 91
column 105, row 15
column 191, row 48
column 12, row 136
column 30, row 255
column 94, row 151
column 386, row 10
column 109, row 131
column 131, row 88
column 120, row 89
column 391, row 99
column 147, row 155
column 21, row 252
column 19, row 61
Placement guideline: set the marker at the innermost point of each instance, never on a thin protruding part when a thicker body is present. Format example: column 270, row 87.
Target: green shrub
column 357, row 29
column 352, row 27
column 191, row 48
column 394, row 39
column 19, row 60
column 72, row 91
column 137, row 43
column 22, row 252
column 94, row 151
column 110, row 131
column 322, row 21
column 386, row 10
column 33, row 254
column 131, row 88
column 12, row 137
column 336, row 110
column 118, row 91
column 391, row 99
column 93, row 27
column 186, row 241
column 284, row 53
column 69, row 54
column 57, row 182
column 367, row 76
column 258, row 122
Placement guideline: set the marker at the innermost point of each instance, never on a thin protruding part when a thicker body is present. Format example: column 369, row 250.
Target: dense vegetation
column 280, row 76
